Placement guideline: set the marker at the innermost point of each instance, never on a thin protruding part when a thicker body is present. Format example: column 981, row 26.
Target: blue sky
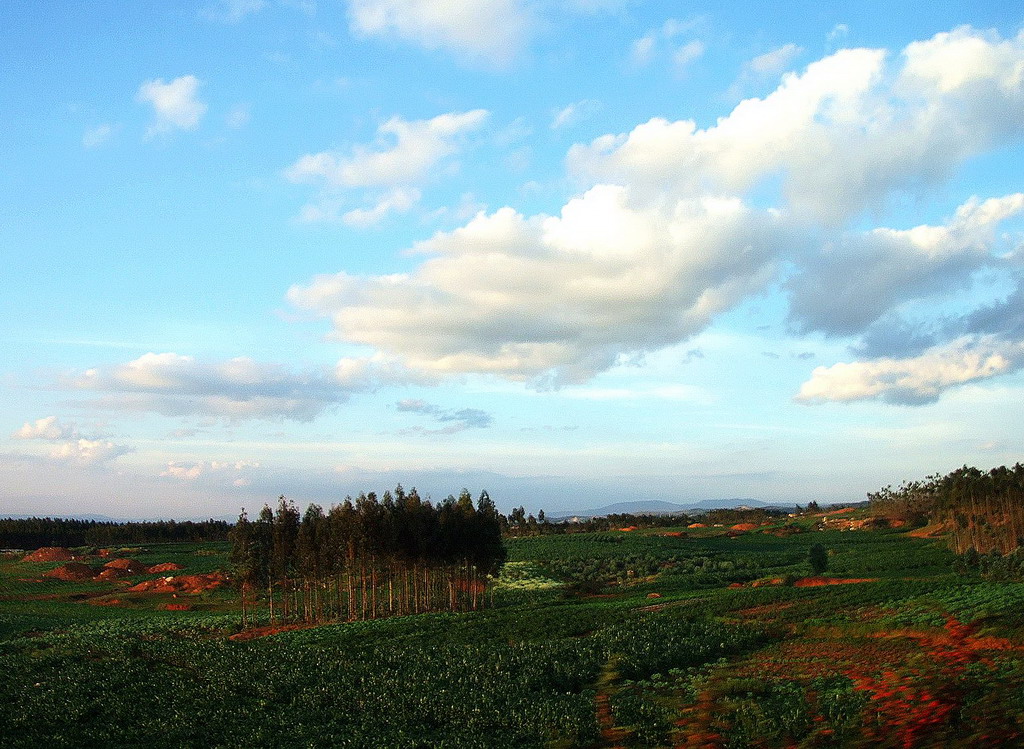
column 572, row 253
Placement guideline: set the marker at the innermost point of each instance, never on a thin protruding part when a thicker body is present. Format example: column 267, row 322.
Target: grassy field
column 637, row 638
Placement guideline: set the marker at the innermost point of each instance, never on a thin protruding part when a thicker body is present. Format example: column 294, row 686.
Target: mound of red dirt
column 111, row 573
column 71, row 571
column 814, row 582
column 744, row 526
column 166, row 567
column 674, row 534
column 696, row 525
column 181, row 584
column 51, row 554
column 628, row 529
column 767, row 581
column 130, row 566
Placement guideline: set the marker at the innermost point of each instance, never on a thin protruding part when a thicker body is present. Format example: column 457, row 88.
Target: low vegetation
column 827, row 628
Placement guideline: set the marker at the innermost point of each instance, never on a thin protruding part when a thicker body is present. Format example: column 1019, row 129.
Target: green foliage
column 674, row 652
column 817, row 557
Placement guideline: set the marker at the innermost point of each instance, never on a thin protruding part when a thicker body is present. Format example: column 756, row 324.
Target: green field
column 599, row 639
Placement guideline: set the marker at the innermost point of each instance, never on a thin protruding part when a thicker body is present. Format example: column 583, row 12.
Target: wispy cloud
column 176, row 105
column 457, row 419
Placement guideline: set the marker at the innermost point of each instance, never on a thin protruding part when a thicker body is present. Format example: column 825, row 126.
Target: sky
column 572, row 253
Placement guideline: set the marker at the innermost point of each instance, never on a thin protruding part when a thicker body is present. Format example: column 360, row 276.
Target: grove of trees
column 981, row 510
column 367, row 558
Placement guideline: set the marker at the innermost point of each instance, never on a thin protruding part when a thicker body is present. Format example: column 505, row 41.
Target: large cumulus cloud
column 678, row 224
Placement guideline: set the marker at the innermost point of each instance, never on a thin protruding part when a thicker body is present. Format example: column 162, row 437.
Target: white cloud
column 914, row 380
column 667, row 237
column 642, row 50
column 843, row 135
column 68, row 446
column 48, row 428
column 399, row 200
column 175, row 104
column 646, row 48
column 489, row 31
column 774, row 61
column 405, row 152
column 240, row 388
column 573, row 113
column 839, row 31
column 97, row 136
column 557, row 297
column 687, row 54
column 190, row 471
column 83, row 452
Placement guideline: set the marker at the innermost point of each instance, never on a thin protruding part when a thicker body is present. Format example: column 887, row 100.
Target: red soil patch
column 735, row 585
column 627, row 530
column 111, row 573
column 176, row 607
column 814, row 582
column 51, row 554
column 130, row 566
column 654, row 595
column 166, row 567
column 744, row 526
column 181, row 584
column 674, row 534
column 105, row 601
column 842, row 511
column 71, row 571
column 766, row 581
column 696, row 525
column 106, row 552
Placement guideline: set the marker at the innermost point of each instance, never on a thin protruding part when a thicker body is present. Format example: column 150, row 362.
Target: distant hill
column 660, row 507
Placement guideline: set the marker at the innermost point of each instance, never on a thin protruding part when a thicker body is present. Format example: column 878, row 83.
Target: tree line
column 517, row 523
column 982, row 510
column 367, row 558
column 34, row 533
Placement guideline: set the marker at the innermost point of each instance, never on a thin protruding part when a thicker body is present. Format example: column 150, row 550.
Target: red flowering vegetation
column 815, row 582
column 698, row 728
column 810, row 659
column 906, row 705
column 915, row 702
column 958, row 643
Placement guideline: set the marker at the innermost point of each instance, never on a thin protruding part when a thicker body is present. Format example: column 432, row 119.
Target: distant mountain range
column 660, row 507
